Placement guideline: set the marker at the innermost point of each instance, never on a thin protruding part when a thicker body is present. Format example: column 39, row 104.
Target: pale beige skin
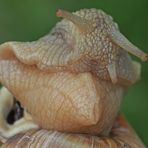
column 74, row 78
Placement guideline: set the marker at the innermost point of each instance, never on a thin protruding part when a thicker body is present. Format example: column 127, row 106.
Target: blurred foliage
column 29, row 19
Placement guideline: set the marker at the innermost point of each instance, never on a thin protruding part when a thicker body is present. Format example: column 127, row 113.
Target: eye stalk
column 84, row 25
column 124, row 43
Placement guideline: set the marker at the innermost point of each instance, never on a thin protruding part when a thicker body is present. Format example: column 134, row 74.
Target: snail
column 73, row 79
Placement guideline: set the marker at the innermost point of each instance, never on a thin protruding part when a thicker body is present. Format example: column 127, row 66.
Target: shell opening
column 13, row 119
column 15, row 113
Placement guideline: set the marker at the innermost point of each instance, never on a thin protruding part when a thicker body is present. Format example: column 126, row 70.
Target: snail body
column 73, row 79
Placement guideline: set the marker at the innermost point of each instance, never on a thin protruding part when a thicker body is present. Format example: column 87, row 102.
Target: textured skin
column 67, row 48
column 63, row 101
column 122, row 136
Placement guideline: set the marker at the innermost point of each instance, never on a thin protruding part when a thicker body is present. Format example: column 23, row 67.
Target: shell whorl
column 121, row 136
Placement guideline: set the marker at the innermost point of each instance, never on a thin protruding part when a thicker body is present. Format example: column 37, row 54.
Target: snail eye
column 15, row 113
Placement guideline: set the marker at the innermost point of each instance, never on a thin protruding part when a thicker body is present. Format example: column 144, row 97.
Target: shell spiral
column 120, row 137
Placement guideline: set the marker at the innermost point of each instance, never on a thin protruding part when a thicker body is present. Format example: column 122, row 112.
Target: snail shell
column 121, row 136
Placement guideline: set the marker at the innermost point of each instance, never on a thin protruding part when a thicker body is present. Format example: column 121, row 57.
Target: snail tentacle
column 84, row 25
column 123, row 42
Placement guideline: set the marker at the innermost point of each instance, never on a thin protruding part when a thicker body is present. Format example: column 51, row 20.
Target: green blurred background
column 27, row 20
